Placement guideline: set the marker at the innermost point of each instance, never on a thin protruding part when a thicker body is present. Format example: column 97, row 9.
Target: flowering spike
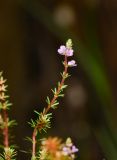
column 68, row 52
column 43, row 121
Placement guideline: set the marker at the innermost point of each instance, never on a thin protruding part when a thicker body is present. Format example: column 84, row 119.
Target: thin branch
column 46, row 110
column 5, row 130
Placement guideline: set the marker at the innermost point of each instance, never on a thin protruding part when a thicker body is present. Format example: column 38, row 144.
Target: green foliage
column 12, row 123
column 42, row 122
column 65, row 75
column 8, row 154
column 48, row 100
column 55, row 104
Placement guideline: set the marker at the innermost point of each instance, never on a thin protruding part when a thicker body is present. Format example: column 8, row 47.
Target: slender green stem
column 49, row 107
column 6, row 130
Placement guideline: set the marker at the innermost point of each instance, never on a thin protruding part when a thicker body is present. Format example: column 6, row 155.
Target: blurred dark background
column 30, row 33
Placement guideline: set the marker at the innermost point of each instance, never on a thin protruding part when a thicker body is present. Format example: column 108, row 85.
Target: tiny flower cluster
column 68, row 52
column 52, row 148
column 69, row 149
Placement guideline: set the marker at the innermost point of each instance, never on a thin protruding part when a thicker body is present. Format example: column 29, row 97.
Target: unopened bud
column 69, row 43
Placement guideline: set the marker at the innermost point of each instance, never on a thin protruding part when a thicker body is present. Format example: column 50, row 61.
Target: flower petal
column 72, row 63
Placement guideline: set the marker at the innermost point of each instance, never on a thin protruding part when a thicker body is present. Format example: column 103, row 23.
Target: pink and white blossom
column 72, row 63
column 63, row 50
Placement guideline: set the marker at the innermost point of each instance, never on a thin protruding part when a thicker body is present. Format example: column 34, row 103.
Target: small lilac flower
column 74, row 149
column 70, row 151
column 66, row 151
column 63, row 50
column 69, row 52
column 72, row 63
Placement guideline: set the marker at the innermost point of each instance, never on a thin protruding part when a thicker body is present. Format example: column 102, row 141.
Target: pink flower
column 69, row 52
column 63, row 50
column 74, row 149
column 72, row 63
column 70, row 151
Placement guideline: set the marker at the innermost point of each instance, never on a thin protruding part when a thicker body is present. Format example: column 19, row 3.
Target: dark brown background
column 30, row 33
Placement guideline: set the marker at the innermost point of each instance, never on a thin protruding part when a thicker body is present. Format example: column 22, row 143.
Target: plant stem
column 59, row 88
column 5, row 130
column 49, row 107
column 34, row 142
